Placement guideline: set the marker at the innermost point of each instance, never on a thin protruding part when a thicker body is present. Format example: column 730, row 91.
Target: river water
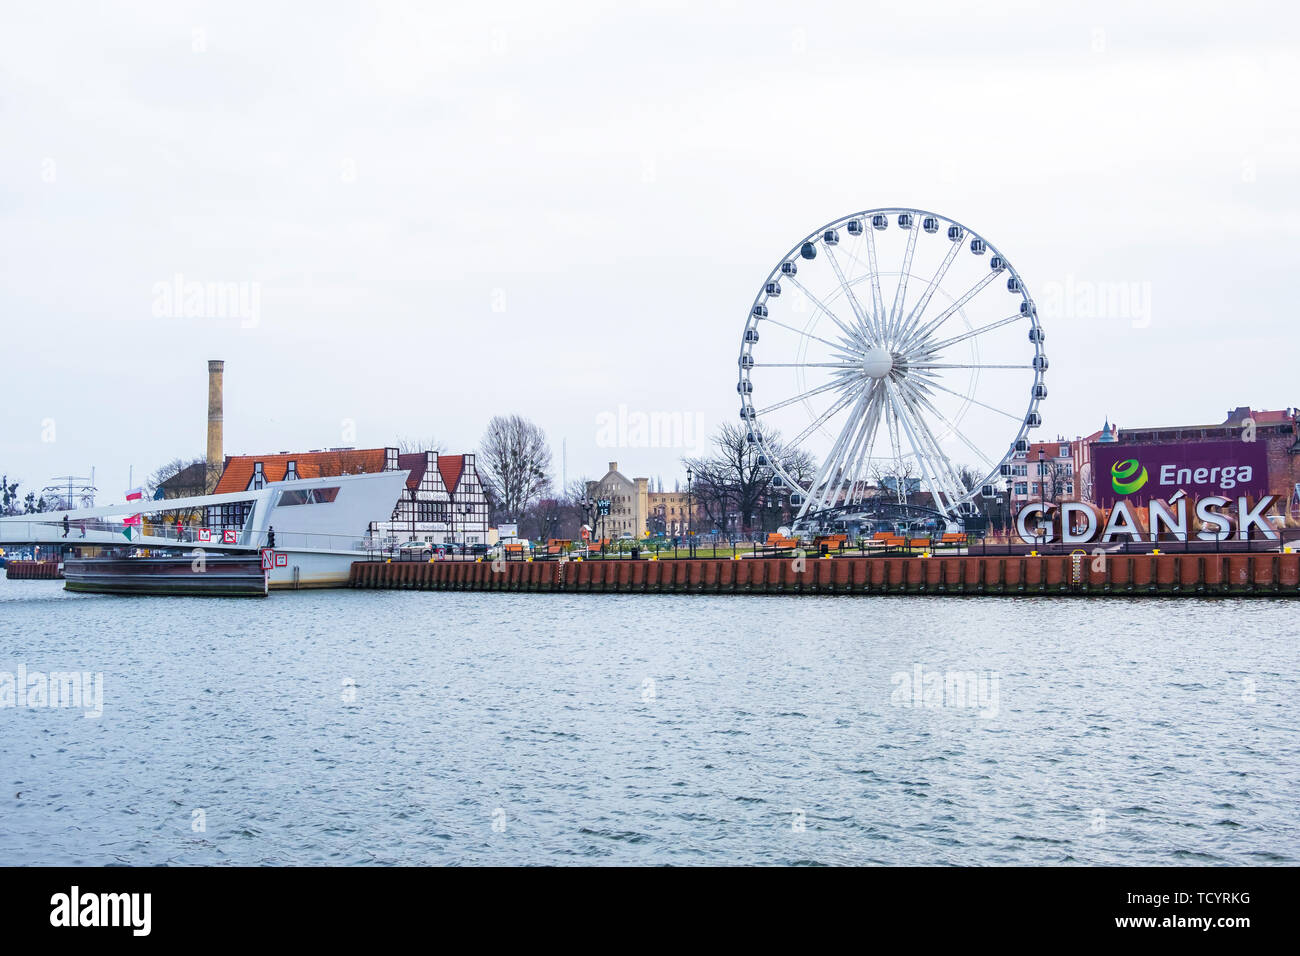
column 372, row 727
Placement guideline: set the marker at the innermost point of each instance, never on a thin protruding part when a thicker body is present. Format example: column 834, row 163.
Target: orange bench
column 833, row 542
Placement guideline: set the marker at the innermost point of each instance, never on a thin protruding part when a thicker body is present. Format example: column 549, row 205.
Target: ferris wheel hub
column 877, row 363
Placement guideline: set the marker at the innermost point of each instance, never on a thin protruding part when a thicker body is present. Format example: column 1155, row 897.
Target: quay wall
column 1263, row 574
column 33, row 570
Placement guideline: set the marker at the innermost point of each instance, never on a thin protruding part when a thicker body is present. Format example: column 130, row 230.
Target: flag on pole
column 135, row 494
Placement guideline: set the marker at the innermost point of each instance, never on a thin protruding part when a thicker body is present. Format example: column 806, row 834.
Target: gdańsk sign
column 1214, row 513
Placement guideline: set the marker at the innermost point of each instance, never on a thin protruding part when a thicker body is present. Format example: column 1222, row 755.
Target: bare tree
column 580, row 505
column 410, row 446
column 190, row 484
column 8, row 496
column 1056, row 477
column 514, row 462
column 969, row 477
column 897, row 477
column 733, row 479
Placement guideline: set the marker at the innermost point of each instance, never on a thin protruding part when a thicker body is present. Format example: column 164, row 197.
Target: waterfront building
column 629, row 505
column 670, row 513
column 442, row 501
column 1265, row 441
column 1045, row 471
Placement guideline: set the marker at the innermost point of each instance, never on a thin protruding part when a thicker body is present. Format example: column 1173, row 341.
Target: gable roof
column 451, row 467
column 416, row 462
column 189, row 477
column 238, row 471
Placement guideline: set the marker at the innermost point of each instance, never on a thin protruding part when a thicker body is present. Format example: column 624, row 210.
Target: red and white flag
column 133, row 521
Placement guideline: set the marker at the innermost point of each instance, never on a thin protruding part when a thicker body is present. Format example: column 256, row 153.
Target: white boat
column 308, row 531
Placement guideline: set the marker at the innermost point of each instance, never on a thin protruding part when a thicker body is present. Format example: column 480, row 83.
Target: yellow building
column 669, row 512
column 628, row 505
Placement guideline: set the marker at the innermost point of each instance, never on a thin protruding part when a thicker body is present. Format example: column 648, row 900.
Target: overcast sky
column 448, row 211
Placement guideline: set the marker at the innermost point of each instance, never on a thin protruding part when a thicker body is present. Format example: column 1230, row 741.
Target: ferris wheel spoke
column 900, row 295
column 820, row 491
column 867, row 326
column 806, row 334
column 855, row 337
column 849, row 365
column 952, row 427
column 920, row 336
column 848, row 461
column 931, row 348
column 940, row 462
column 931, row 365
column 821, row 419
column 923, row 456
column 877, row 303
column 974, row 401
column 861, row 455
column 896, row 450
column 829, row 386
column 918, row 310
column 940, row 465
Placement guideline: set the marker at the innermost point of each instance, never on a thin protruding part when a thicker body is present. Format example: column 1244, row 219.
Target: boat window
column 308, row 496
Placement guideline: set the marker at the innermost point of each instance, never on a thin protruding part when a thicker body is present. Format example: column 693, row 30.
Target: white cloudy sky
column 619, row 177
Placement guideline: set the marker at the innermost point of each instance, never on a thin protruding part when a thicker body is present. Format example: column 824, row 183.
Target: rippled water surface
column 385, row 727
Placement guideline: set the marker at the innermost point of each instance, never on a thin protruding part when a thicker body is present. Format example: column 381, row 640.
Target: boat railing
column 90, row 532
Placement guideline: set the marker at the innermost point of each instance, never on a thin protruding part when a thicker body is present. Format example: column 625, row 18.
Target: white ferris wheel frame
column 865, row 378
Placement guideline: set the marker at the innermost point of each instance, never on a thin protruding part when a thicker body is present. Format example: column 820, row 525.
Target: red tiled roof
column 415, row 462
column 1053, row 448
column 451, row 467
column 1270, row 417
column 238, row 471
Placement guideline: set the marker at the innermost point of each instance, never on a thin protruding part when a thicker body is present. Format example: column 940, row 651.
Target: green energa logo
column 1127, row 476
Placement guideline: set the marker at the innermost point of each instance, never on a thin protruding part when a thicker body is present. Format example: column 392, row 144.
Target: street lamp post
column 1042, row 493
column 690, row 514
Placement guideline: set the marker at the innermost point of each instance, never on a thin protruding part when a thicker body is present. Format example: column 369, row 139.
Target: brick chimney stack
column 216, row 372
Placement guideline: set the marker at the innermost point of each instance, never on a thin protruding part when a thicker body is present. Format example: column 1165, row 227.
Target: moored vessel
column 215, row 576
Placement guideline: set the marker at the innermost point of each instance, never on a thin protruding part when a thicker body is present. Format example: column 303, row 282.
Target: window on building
column 1020, row 471
column 291, row 472
column 1021, row 488
column 259, row 477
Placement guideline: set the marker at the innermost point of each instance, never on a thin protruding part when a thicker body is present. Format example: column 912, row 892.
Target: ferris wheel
column 890, row 352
